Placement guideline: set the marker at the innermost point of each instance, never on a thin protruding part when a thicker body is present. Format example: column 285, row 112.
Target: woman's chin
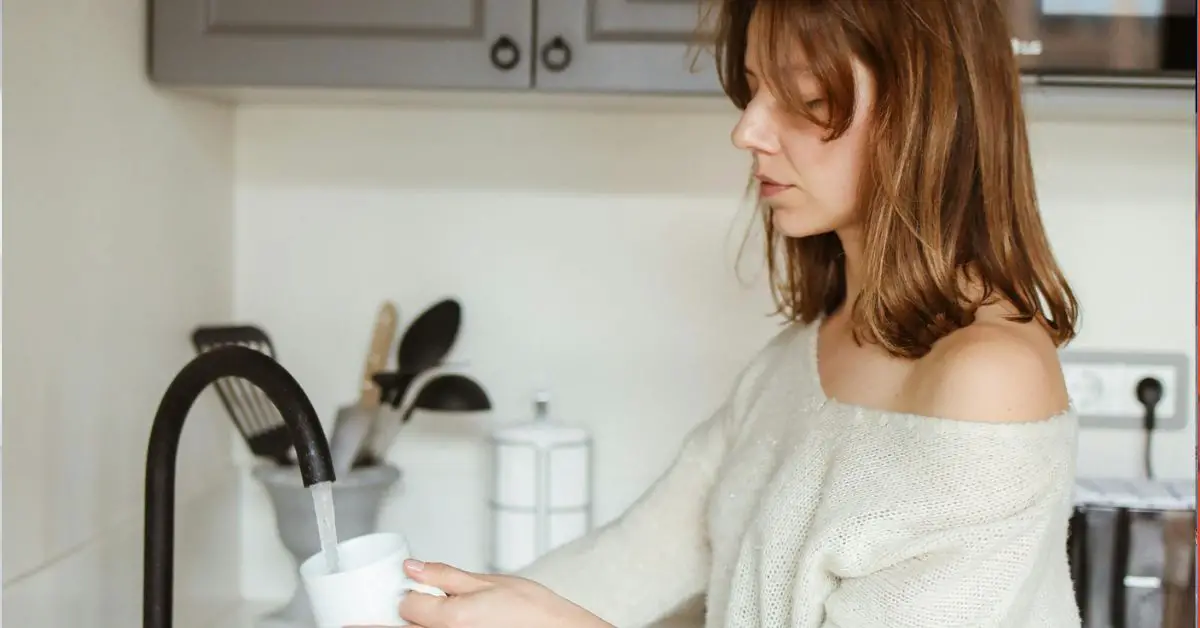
column 793, row 222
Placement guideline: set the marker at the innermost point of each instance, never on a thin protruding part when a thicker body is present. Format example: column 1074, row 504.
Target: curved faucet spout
column 308, row 437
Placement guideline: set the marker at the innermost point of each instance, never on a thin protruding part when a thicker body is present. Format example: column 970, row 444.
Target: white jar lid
column 542, row 431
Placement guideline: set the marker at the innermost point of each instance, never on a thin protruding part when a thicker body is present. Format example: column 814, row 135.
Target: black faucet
column 312, row 455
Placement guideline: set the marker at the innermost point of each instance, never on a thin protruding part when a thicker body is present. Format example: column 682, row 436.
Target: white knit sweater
column 789, row 509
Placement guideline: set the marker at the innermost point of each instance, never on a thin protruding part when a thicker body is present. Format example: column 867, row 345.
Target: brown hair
column 948, row 193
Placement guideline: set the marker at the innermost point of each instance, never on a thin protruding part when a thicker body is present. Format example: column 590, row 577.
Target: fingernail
column 414, row 565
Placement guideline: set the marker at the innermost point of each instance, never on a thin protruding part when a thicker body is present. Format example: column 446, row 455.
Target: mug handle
column 409, row 585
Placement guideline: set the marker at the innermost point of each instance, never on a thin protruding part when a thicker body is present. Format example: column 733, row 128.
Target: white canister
column 542, row 488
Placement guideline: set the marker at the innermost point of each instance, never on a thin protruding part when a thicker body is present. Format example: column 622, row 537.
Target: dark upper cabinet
column 575, row 45
column 639, row 46
column 342, row 43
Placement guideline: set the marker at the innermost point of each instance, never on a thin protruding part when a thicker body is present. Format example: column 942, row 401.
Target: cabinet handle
column 556, row 55
column 505, row 54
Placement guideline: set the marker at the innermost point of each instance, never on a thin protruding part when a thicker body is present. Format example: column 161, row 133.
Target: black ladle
column 449, row 392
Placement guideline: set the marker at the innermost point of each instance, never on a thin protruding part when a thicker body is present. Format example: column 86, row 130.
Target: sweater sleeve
column 656, row 555
column 975, row 536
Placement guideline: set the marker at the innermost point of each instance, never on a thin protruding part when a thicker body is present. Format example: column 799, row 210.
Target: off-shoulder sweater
column 791, row 509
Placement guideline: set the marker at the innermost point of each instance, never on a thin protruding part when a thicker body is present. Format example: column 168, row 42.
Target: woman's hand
column 487, row 601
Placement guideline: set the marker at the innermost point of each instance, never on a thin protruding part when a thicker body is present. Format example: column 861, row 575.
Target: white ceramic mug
column 367, row 589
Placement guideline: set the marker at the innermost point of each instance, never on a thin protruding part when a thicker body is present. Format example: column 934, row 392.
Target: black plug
column 1149, row 392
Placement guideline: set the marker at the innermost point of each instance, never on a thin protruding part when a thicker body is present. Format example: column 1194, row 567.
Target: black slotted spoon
column 252, row 412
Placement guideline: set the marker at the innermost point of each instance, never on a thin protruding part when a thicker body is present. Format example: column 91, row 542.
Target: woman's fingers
column 422, row 610
column 452, row 580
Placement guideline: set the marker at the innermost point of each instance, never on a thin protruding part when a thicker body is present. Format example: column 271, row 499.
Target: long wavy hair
column 948, row 198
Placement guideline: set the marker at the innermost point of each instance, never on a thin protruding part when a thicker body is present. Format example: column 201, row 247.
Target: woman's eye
column 815, row 104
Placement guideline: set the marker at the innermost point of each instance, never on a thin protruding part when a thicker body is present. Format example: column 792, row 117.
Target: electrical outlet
column 1103, row 388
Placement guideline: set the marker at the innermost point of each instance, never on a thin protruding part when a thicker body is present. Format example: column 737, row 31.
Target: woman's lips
column 767, row 189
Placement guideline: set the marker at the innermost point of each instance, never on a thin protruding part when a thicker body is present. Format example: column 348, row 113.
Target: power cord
column 1149, row 393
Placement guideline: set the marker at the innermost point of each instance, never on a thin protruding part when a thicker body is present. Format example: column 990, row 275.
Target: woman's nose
column 755, row 131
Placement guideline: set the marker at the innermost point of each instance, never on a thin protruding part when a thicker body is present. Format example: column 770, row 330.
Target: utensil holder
column 357, row 499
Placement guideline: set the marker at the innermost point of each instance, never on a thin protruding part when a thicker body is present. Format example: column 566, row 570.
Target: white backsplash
column 593, row 250
column 119, row 224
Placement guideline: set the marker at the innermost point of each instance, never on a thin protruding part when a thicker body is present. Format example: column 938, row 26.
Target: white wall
column 592, row 249
column 119, row 230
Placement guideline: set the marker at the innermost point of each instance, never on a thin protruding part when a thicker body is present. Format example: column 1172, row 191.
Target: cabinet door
column 622, row 46
column 342, row 43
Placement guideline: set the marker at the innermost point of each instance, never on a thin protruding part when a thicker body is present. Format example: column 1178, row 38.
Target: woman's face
column 810, row 185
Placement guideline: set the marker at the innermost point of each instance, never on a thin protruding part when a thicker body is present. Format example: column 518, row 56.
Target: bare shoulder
column 992, row 371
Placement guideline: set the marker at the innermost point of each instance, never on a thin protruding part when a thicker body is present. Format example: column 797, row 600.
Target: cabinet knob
column 505, row 54
column 556, row 55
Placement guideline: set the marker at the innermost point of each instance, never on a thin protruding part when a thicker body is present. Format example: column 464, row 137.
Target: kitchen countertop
column 246, row 614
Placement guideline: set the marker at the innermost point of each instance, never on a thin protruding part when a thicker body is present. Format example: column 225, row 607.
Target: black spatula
column 252, row 412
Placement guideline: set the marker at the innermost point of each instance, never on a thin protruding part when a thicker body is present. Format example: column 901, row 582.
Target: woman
column 902, row 453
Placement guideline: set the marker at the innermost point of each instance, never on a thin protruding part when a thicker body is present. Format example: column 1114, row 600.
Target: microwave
column 1146, row 43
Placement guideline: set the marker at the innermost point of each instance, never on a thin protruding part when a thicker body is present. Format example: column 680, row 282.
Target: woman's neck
column 851, row 238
